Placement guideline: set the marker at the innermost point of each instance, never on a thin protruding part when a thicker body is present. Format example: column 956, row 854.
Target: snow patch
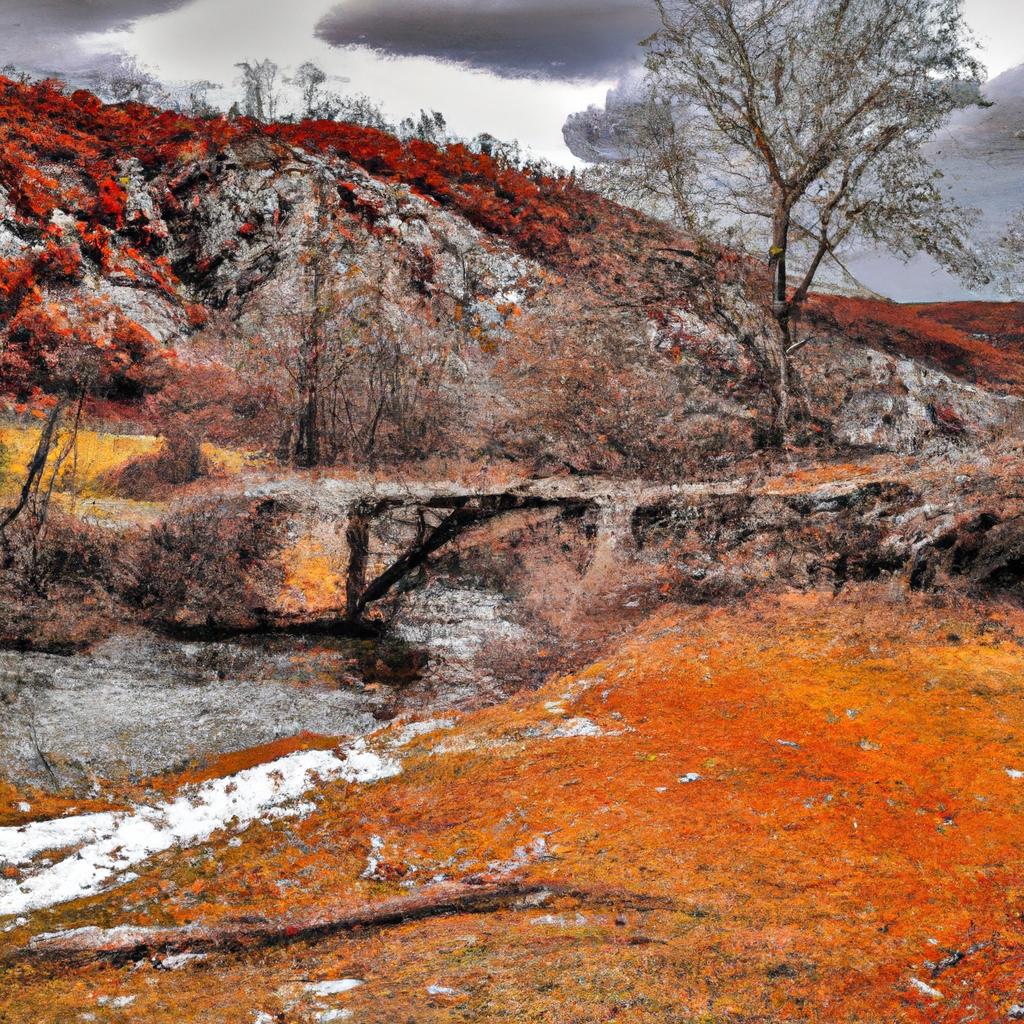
column 333, row 988
column 1015, row 773
column 413, row 730
column 113, row 842
column 117, row 1002
column 373, row 857
column 925, row 989
column 176, row 961
column 18, row 845
column 576, row 727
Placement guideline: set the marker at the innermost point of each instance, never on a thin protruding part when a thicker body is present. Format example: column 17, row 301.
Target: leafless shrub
column 211, row 563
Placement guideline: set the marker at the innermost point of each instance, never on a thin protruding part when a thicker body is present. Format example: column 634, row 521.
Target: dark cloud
column 39, row 35
column 565, row 39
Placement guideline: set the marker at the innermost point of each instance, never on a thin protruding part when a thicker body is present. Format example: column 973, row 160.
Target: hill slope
column 568, row 318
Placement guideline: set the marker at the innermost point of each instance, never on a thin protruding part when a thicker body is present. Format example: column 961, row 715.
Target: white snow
column 91, row 937
column 576, row 727
column 373, row 857
column 117, row 1002
column 925, row 989
column 690, row 777
column 20, row 845
column 178, row 960
column 1015, row 773
column 413, row 730
column 328, row 1016
column 333, row 988
column 111, row 843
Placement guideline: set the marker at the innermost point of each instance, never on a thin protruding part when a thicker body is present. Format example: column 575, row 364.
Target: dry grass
column 853, row 820
column 99, row 455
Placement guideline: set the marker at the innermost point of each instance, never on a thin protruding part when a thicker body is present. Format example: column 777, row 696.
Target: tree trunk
column 38, row 463
column 129, row 943
column 357, row 534
column 308, row 447
column 782, row 312
column 780, row 382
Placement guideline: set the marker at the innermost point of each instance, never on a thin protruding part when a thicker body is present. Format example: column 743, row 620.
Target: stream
column 136, row 706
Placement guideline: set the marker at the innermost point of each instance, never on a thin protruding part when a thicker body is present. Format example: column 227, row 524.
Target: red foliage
column 112, row 201
column 537, row 213
column 82, row 142
column 71, row 346
column 1002, row 323
column 67, row 151
column 948, row 418
column 979, row 341
column 59, row 263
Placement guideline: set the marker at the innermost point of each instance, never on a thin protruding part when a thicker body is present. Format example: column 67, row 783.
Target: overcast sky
column 515, row 68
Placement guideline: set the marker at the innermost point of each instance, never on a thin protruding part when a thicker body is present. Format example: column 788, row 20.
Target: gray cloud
column 560, row 39
column 39, row 35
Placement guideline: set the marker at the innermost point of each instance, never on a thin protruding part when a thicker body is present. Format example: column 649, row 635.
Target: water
column 138, row 706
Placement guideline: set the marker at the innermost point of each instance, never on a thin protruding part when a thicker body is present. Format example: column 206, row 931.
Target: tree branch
column 129, row 943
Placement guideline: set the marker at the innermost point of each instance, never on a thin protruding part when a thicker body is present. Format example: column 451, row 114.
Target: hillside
column 184, row 235
column 405, row 614
column 801, row 810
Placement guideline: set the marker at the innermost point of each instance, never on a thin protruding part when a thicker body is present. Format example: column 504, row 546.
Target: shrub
column 179, row 461
column 211, row 564
column 37, row 555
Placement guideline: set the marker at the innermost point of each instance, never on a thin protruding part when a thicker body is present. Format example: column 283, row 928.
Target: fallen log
column 128, row 943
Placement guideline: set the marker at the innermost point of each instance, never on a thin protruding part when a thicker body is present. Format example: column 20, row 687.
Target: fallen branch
column 129, row 942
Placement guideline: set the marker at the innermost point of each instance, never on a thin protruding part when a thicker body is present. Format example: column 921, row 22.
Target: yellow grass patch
column 313, row 578
column 97, row 453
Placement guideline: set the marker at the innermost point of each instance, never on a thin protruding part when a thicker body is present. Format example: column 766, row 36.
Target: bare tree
column 127, row 81
column 259, row 83
column 430, row 126
column 1010, row 256
column 360, row 109
column 312, row 325
column 797, row 126
column 195, row 100
column 360, row 373
column 309, row 80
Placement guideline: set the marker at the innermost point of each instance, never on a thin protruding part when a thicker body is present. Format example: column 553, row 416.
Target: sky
column 514, row 68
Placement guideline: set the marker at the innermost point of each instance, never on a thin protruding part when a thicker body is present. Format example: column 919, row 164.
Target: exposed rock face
column 967, row 531
column 878, row 400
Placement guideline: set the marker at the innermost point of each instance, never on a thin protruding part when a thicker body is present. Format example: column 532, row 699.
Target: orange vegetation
column 847, row 848
column 19, row 806
column 1000, row 322
column 981, row 341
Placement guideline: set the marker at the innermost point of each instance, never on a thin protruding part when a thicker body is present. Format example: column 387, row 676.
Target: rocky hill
column 183, row 234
